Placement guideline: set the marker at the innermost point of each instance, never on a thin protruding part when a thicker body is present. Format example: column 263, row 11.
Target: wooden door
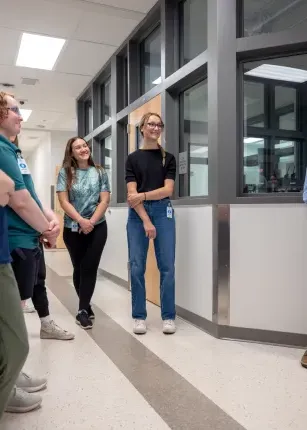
column 152, row 276
column 60, row 213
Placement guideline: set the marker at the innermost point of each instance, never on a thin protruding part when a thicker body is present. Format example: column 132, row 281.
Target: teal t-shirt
column 21, row 235
column 85, row 191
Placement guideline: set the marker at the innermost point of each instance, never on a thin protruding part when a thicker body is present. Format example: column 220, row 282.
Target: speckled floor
column 110, row 379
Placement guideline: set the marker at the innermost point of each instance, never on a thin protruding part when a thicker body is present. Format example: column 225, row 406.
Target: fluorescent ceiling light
column 280, row 73
column 248, row 140
column 157, row 81
column 39, row 52
column 25, row 113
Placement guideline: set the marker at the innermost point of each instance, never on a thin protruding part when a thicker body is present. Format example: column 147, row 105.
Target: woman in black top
column 150, row 178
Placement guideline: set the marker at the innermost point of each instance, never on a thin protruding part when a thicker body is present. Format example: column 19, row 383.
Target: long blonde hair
column 144, row 121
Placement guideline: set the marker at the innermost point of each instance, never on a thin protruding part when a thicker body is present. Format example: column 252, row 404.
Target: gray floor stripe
column 177, row 401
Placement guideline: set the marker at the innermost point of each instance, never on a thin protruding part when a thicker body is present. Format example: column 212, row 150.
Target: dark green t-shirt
column 21, row 235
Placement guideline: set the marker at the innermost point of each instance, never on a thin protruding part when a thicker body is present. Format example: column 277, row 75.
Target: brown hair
column 70, row 163
column 3, row 104
column 144, row 121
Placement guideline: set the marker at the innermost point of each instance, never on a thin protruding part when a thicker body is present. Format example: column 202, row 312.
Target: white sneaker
column 21, row 401
column 30, row 384
column 49, row 330
column 28, row 308
column 139, row 327
column 169, row 327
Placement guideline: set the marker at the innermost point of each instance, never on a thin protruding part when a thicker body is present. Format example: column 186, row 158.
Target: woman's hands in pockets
column 150, row 230
column 86, row 225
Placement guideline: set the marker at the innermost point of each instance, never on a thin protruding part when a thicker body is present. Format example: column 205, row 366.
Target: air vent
column 7, row 85
column 41, row 126
column 29, row 81
column 33, row 137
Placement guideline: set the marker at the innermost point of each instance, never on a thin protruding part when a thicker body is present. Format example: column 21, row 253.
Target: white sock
column 45, row 319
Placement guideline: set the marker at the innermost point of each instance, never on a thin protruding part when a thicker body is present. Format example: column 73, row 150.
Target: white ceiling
column 94, row 29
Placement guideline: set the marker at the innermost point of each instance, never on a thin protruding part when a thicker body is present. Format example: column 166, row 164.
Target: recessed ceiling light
column 25, row 113
column 39, row 52
column 280, row 73
column 157, row 81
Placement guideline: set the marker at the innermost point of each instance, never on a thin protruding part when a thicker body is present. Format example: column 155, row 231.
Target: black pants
column 30, row 273
column 85, row 251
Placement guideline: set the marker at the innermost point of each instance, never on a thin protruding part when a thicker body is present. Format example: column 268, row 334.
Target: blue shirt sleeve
column 305, row 189
column 61, row 182
column 105, row 185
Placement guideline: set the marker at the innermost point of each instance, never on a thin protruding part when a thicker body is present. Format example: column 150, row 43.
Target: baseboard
column 262, row 336
column 200, row 322
column 116, row 279
column 225, row 332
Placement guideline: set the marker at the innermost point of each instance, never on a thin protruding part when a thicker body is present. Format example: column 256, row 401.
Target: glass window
column 193, row 158
column 274, row 129
column 151, row 61
column 193, row 29
column 271, row 16
column 254, row 104
column 107, row 157
column 106, row 101
column 285, row 107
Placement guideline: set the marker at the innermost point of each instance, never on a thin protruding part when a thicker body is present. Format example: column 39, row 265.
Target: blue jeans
column 165, row 244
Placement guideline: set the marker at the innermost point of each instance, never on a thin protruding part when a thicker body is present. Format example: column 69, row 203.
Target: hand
column 86, row 225
column 150, row 230
column 47, row 244
column 7, row 187
column 135, row 199
column 53, row 232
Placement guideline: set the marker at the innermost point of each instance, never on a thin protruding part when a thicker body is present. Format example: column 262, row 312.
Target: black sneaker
column 82, row 319
column 91, row 314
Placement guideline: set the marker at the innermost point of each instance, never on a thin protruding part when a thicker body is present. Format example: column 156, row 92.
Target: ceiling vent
column 33, row 137
column 41, row 126
column 29, row 81
column 7, row 85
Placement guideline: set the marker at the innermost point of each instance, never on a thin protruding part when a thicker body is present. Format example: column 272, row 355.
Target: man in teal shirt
column 28, row 223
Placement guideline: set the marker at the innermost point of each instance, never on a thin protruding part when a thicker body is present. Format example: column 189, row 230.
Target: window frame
column 272, row 132
column 186, row 180
column 142, row 40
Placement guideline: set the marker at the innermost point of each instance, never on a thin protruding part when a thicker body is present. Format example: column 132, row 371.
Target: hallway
column 110, row 379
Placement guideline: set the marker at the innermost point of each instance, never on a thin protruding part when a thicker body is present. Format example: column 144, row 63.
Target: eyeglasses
column 15, row 109
column 154, row 125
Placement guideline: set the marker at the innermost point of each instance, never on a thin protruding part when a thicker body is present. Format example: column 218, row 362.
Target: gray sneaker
column 49, row 330
column 21, row 401
column 30, row 384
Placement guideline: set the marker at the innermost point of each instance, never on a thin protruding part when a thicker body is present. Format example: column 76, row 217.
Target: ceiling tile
column 110, row 30
column 84, row 58
column 137, row 5
column 41, row 17
column 9, row 49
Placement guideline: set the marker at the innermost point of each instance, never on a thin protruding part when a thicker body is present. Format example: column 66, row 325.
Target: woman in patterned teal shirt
column 84, row 194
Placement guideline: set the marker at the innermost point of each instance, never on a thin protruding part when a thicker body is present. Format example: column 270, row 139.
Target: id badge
column 74, row 227
column 169, row 212
column 23, row 167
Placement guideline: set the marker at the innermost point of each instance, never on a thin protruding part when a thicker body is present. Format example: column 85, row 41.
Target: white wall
column 115, row 255
column 194, row 259
column 268, row 260
column 40, row 168
column 42, row 162
column 194, row 255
